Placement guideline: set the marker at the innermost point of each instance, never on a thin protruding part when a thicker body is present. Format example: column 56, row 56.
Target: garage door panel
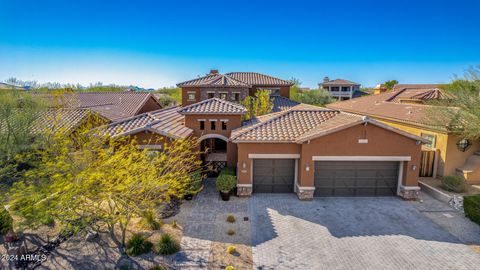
column 273, row 175
column 356, row 178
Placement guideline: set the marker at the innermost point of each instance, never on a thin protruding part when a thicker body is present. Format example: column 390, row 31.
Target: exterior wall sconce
column 307, row 167
column 463, row 144
column 414, row 167
column 244, row 165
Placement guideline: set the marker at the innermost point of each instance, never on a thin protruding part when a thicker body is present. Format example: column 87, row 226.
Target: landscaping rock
column 91, row 235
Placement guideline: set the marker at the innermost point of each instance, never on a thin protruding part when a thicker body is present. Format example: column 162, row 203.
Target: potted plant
column 225, row 183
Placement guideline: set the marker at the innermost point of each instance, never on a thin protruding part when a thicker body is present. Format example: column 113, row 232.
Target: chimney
column 380, row 88
column 326, row 79
column 213, row 71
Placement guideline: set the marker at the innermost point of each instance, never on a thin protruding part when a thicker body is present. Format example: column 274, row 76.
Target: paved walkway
column 351, row 233
column 203, row 220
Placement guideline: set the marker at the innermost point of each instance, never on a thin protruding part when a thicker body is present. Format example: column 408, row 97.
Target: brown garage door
column 273, row 175
column 356, row 178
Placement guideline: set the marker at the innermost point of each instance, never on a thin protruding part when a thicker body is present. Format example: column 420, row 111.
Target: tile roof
column 167, row 122
column 60, row 120
column 282, row 103
column 286, row 126
column 235, row 79
column 339, row 81
column 421, row 94
column 112, row 105
column 254, row 78
column 415, row 86
column 213, row 106
column 384, row 106
column 215, row 80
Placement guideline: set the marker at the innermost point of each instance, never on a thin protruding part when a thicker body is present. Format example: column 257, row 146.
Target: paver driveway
column 350, row 233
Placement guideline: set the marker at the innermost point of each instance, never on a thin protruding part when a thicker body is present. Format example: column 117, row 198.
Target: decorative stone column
column 244, row 190
column 409, row 193
column 305, row 193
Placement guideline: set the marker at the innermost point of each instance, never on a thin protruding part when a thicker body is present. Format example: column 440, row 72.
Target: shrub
column 150, row 221
column 229, row 268
column 48, row 221
column 157, row 267
column 174, row 224
column 227, row 171
column 168, row 245
column 230, row 232
column 195, row 183
column 138, row 245
column 6, row 221
column 471, row 206
column 230, row 218
column 453, row 183
column 226, row 182
column 231, row 250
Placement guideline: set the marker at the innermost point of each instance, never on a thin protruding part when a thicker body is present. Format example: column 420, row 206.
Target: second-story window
column 191, row 95
column 345, row 88
column 212, row 125
column 211, row 95
column 202, row 125
column 236, row 97
column 223, row 96
column 224, row 125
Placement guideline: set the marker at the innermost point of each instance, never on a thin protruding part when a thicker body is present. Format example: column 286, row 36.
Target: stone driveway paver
column 351, row 233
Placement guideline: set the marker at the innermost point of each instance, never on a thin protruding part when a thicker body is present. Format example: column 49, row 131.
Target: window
column 191, row 95
column 236, row 96
column 334, row 88
column 202, row 125
column 212, row 125
column 223, row 96
column 211, row 95
column 431, row 138
column 224, row 125
column 345, row 88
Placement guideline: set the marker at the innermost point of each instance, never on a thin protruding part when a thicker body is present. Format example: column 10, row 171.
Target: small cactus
column 230, row 218
column 230, row 232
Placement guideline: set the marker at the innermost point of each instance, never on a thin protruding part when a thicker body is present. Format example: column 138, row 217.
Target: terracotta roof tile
column 167, row 122
column 282, row 103
column 216, row 80
column 112, row 105
column 254, row 78
column 213, row 106
column 339, row 82
column 383, row 106
column 60, row 120
column 284, row 126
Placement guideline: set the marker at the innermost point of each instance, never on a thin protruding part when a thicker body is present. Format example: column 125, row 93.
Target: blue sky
column 160, row 43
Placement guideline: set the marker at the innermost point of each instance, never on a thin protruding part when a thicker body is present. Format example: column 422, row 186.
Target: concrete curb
column 434, row 192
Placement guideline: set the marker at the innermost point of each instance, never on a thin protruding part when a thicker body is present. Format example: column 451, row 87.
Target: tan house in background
column 406, row 108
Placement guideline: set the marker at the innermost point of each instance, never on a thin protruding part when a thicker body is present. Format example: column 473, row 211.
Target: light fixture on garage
column 244, row 165
column 463, row 144
column 307, row 167
column 414, row 167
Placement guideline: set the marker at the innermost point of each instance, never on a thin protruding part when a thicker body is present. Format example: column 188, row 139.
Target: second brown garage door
column 273, row 175
column 356, row 178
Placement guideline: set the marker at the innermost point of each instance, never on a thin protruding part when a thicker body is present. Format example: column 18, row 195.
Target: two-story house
column 233, row 86
column 339, row 88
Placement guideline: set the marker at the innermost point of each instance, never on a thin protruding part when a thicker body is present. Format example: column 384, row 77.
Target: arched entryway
column 214, row 152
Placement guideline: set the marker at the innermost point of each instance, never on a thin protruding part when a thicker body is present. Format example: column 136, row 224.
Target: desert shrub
column 150, row 221
column 226, row 182
column 6, row 221
column 231, row 250
column 195, row 182
column 230, row 232
column 471, row 206
column 230, row 218
column 453, row 183
column 227, row 171
column 168, row 245
column 48, row 221
column 174, row 224
column 138, row 245
column 157, row 267
column 229, row 268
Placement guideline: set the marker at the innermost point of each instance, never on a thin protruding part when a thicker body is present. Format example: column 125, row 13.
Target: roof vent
column 213, row 71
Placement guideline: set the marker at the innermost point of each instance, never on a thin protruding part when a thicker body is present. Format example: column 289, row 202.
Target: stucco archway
column 212, row 136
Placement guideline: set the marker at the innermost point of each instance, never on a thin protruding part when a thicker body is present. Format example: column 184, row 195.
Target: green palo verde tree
column 87, row 179
column 460, row 110
column 260, row 104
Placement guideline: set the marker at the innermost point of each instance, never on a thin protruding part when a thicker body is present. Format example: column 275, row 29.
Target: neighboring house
column 233, row 86
column 114, row 106
column 341, row 89
column 406, row 108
